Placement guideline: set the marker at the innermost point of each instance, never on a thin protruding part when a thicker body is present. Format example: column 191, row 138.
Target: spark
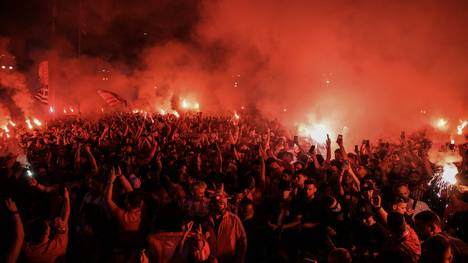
column 29, row 173
column 12, row 123
column 8, row 135
column 445, row 178
column 176, row 114
column 461, row 127
column 449, row 174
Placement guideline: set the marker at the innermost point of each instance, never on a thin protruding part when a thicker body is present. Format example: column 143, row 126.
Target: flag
column 111, row 98
column 42, row 94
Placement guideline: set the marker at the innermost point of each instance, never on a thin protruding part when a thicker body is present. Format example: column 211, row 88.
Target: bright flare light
column 461, row 127
column 317, row 132
column 236, row 116
column 37, row 122
column 162, row 112
column 185, row 104
column 449, row 174
column 12, row 123
column 441, row 124
column 189, row 105
column 5, row 128
column 28, row 123
column 51, row 109
column 176, row 114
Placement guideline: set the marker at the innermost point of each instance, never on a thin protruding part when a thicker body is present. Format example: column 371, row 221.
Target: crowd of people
column 129, row 187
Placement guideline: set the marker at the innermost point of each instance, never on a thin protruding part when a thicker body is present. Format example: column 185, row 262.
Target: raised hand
column 11, row 205
column 112, row 176
column 33, row 182
column 66, row 194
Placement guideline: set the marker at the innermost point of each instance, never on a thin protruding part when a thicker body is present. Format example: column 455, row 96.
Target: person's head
column 285, row 189
column 247, row 209
column 37, row 231
column 399, row 205
column 310, row 186
column 198, row 189
column 396, row 224
column 339, row 255
column 220, row 203
column 402, row 190
column 275, row 167
column 134, row 200
column 338, row 155
column 367, row 189
column 298, row 166
column 427, row 224
column 301, row 177
column 436, row 249
column 287, row 175
column 362, row 171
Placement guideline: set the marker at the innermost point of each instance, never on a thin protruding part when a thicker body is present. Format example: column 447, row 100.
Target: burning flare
column 37, row 122
column 28, row 123
column 449, row 174
column 317, row 132
column 461, row 127
column 441, row 124
column 189, row 105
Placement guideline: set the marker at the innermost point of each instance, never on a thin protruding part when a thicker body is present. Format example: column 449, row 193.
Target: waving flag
column 111, row 98
column 42, row 94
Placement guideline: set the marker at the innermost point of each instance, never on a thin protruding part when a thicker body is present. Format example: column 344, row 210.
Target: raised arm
column 108, row 193
column 15, row 249
column 124, row 181
column 78, row 157
column 92, row 160
column 340, row 143
column 66, row 206
column 328, row 141
column 43, row 188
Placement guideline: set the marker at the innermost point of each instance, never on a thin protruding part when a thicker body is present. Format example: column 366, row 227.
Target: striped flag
column 42, row 94
column 111, row 98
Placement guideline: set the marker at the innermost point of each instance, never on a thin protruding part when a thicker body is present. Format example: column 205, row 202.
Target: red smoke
column 369, row 65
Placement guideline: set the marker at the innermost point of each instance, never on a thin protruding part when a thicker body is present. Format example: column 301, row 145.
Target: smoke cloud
column 374, row 67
